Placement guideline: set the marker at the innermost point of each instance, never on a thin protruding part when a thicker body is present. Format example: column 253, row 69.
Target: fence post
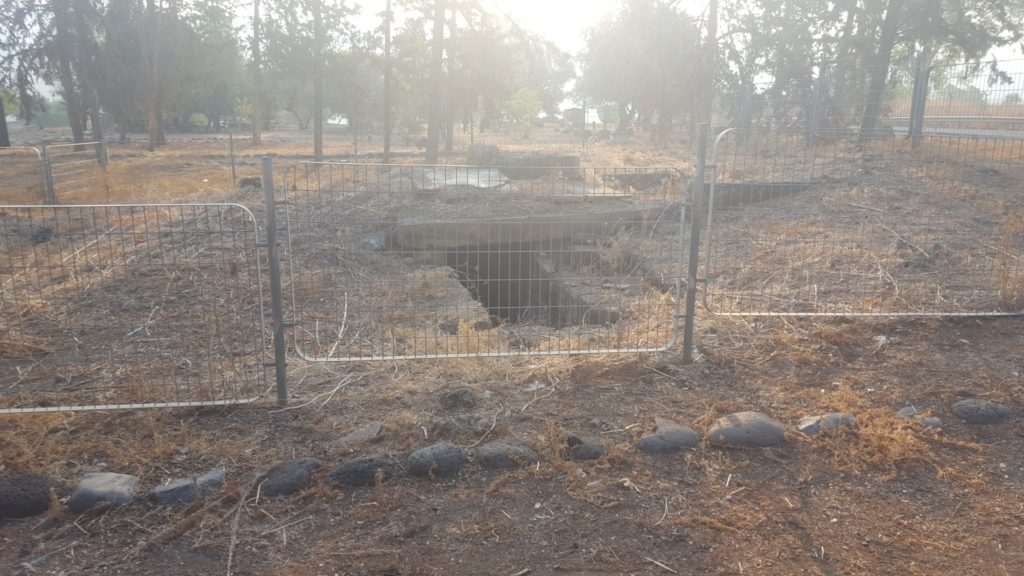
column 696, row 214
column 231, row 151
column 919, row 99
column 49, row 196
column 276, row 296
column 101, row 154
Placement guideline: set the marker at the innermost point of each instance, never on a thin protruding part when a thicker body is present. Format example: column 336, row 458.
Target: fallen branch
column 237, row 519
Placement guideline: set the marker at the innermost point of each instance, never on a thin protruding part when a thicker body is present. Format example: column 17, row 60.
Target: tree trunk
column 67, row 81
column 436, row 82
column 710, row 61
column 879, row 71
column 387, row 82
column 89, row 65
column 318, row 84
column 5, row 138
column 154, row 106
column 257, row 80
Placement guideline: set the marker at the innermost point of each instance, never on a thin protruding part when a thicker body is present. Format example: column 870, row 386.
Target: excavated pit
column 516, row 284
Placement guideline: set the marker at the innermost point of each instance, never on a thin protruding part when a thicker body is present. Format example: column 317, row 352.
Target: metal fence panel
column 75, row 167
column 851, row 228
column 389, row 262
column 129, row 306
column 21, row 176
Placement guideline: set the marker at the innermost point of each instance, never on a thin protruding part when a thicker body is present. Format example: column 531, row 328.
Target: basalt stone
column 363, row 435
column 460, row 426
column 584, row 449
column 506, row 454
column 831, row 422
column 24, row 496
column 668, row 437
column 188, row 489
column 441, row 460
column 911, row 413
column 907, row 412
column 978, row 411
column 747, row 430
column 459, row 399
column 289, row 476
column 97, row 487
column 364, row 472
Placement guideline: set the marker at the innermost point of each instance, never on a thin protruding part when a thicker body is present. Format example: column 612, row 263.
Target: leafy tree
column 522, row 109
column 643, row 58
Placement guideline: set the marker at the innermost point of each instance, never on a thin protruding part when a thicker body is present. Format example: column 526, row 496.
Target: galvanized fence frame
column 130, row 306
column 9, row 172
column 867, row 230
column 71, row 164
column 404, row 254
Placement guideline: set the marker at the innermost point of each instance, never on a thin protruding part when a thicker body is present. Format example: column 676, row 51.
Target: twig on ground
column 178, row 528
column 494, row 422
column 527, row 405
column 288, row 525
column 236, row 520
column 664, row 514
column 659, row 564
column 330, row 394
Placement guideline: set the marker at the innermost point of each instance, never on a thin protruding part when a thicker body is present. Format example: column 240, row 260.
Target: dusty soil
column 894, row 499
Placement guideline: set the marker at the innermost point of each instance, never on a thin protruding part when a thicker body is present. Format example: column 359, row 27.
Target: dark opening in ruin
column 515, row 286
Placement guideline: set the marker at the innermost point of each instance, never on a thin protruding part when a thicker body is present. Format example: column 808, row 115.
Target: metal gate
column 22, row 179
column 846, row 229
column 399, row 262
column 129, row 306
column 74, row 167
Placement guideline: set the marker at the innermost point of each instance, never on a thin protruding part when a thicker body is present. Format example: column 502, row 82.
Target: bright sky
column 562, row 21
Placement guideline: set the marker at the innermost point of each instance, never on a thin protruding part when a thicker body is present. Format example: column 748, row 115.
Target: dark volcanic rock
column 584, row 449
column 24, row 496
column 668, row 437
column 289, row 476
column 831, row 422
column 505, row 454
column 363, row 471
column 978, row 411
column 96, row 487
column 188, row 489
column 747, row 430
column 460, row 426
column 441, row 460
column 459, row 399
column 367, row 433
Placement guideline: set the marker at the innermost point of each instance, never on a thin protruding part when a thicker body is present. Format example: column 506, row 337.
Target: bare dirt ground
column 891, row 498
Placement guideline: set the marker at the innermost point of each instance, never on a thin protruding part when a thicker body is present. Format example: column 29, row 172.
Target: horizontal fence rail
column 390, row 262
column 129, row 306
column 875, row 227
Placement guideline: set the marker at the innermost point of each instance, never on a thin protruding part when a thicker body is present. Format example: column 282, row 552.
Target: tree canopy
column 197, row 64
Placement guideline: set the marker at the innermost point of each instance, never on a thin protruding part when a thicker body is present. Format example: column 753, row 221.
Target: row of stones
column 23, row 496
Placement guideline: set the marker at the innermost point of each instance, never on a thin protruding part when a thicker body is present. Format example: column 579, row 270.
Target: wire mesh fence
column 848, row 227
column 22, row 180
column 74, row 166
column 129, row 306
column 390, row 261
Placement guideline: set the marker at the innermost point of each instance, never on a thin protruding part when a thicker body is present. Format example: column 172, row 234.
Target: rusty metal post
column 276, row 294
column 696, row 215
